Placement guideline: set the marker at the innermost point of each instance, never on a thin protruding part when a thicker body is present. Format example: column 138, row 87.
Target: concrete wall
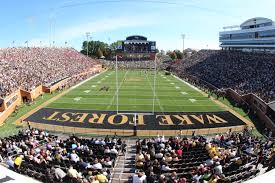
column 14, row 100
column 10, row 105
column 257, row 105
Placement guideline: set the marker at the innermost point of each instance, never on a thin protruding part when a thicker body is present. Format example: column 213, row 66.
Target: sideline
column 19, row 120
column 248, row 122
column 185, row 82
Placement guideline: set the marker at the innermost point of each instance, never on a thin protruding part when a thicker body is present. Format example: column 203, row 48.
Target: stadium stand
column 144, row 64
column 50, row 158
column 27, row 68
column 233, row 157
column 243, row 72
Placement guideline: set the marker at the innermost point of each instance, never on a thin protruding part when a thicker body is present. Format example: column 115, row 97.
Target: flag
column 119, row 56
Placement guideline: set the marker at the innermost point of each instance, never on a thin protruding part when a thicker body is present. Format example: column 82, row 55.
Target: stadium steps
column 125, row 166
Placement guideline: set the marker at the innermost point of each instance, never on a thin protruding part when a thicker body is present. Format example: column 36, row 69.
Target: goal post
column 152, row 85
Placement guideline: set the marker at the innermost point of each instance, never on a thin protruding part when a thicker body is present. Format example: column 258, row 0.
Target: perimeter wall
column 12, row 102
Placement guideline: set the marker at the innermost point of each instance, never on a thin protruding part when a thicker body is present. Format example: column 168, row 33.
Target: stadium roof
column 255, row 21
column 136, row 37
column 135, row 42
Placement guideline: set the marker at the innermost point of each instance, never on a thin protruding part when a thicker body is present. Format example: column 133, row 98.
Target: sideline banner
column 112, row 120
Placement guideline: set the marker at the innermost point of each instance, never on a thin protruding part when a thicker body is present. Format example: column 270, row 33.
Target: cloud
column 102, row 25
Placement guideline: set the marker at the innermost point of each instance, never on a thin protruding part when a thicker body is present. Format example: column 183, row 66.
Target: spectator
column 47, row 157
column 59, row 173
column 27, row 68
column 243, row 72
column 74, row 157
column 139, row 177
column 73, row 173
column 101, row 177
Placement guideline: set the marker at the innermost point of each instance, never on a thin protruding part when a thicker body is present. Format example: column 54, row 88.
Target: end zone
column 91, row 121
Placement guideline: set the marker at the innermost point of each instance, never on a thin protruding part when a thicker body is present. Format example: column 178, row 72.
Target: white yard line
column 195, row 88
column 184, row 93
column 121, row 105
column 120, row 84
column 87, row 91
column 82, row 82
column 127, row 93
column 136, row 99
column 157, row 99
column 192, row 100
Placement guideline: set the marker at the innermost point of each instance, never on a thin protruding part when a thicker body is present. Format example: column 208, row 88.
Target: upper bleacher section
column 27, row 68
column 243, row 72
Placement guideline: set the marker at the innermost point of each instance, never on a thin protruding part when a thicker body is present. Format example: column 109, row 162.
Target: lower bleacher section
column 230, row 158
column 227, row 158
column 50, row 159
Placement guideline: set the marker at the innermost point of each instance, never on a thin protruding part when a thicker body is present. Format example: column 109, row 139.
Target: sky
column 164, row 21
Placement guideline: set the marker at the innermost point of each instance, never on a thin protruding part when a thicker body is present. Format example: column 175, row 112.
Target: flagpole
column 87, row 34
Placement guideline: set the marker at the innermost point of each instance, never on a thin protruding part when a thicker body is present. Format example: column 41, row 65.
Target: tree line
column 99, row 49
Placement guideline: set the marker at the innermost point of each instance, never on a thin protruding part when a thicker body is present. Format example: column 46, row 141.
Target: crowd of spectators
column 232, row 157
column 50, row 158
column 144, row 64
column 241, row 71
column 76, row 79
column 27, row 68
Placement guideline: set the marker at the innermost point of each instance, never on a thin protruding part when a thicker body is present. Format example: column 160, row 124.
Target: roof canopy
column 256, row 21
column 136, row 37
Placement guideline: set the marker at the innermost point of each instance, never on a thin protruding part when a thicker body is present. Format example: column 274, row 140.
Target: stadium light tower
column 183, row 37
column 88, row 36
column 91, row 39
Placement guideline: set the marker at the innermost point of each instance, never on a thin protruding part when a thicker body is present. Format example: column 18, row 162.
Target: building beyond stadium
column 136, row 47
column 256, row 34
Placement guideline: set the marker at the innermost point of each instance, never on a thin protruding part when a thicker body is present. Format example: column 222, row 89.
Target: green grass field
column 136, row 94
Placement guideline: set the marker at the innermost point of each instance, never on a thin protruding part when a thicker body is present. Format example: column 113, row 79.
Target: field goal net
column 136, row 90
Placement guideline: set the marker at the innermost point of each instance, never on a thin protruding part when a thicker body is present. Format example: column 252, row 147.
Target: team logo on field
column 112, row 120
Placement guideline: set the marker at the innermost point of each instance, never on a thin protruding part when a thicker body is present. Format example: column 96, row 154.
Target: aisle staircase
column 125, row 166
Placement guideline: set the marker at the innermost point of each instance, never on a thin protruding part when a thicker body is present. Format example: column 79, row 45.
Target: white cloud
column 102, row 25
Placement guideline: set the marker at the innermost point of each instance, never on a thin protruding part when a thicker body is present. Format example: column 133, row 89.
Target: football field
column 135, row 94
